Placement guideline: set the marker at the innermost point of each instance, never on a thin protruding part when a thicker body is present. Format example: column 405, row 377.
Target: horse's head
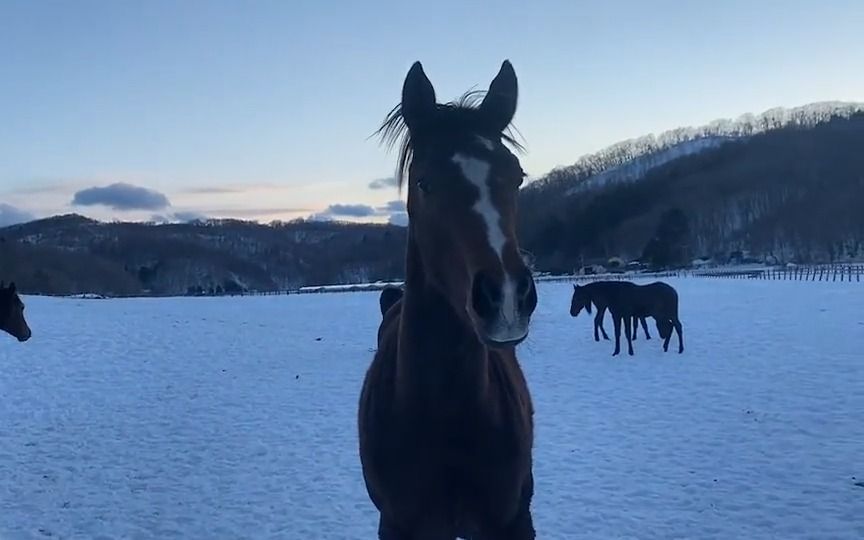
column 463, row 185
column 581, row 300
column 664, row 328
column 12, row 313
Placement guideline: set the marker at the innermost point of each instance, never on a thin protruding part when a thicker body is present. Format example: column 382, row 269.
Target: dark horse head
column 664, row 327
column 12, row 313
column 581, row 300
column 389, row 296
column 463, row 185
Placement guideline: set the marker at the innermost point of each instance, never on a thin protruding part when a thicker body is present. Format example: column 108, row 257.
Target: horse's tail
column 389, row 296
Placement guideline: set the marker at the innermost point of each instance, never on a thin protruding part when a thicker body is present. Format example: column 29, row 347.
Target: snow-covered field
column 235, row 418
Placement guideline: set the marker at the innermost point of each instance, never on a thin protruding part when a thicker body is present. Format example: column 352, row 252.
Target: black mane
column 461, row 115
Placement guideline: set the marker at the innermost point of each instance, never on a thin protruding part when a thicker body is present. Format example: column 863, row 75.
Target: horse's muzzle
column 503, row 307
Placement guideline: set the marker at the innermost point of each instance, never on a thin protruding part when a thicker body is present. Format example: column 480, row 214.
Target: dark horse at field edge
column 628, row 302
column 602, row 304
column 12, row 313
column 445, row 416
column 390, row 294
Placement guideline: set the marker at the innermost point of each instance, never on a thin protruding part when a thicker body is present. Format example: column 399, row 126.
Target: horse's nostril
column 525, row 284
column 485, row 295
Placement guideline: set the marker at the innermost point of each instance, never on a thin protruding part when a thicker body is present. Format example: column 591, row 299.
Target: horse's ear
column 418, row 98
column 575, row 286
column 499, row 105
column 12, row 286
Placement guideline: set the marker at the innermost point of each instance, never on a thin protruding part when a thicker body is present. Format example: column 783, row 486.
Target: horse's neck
column 596, row 295
column 439, row 355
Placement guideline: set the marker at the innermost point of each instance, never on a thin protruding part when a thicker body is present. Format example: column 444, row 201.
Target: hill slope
column 793, row 191
column 787, row 185
column 72, row 254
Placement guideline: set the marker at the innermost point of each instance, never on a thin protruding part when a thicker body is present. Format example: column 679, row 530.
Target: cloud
column 395, row 212
column 9, row 215
column 383, row 183
column 253, row 212
column 394, row 206
column 320, row 216
column 121, row 196
column 398, row 218
column 216, row 190
column 188, row 216
column 350, row 210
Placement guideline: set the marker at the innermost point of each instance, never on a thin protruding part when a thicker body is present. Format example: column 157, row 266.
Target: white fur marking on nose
column 476, row 171
column 509, row 306
column 509, row 326
column 487, row 144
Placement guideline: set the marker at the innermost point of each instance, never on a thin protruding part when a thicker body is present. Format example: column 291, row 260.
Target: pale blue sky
column 262, row 109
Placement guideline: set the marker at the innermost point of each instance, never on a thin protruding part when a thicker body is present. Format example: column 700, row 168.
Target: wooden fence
column 835, row 272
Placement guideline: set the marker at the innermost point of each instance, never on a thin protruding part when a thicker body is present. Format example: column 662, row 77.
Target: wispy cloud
column 216, row 190
column 10, row 215
column 394, row 211
column 398, row 218
column 350, row 210
column 394, row 206
column 121, row 196
column 188, row 216
column 227, row 189
column 383, row 183
column 253, row 212
column 42, row 189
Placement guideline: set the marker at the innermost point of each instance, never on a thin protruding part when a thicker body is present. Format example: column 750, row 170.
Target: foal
column 12, row 313
column 445, row 416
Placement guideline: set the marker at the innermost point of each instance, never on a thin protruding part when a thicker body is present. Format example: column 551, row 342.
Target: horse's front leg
column 388, row 531
column 521, row 527
column 598, row 323
column 616, row 319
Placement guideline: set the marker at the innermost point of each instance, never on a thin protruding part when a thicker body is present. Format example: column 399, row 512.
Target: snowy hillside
column 236, row 418
column 630, row 159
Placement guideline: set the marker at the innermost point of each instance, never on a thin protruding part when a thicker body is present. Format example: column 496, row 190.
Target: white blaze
column 476, row 171
column 487, row 144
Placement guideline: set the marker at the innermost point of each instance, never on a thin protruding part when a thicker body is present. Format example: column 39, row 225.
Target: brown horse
column 12, row 313
column 445, row 417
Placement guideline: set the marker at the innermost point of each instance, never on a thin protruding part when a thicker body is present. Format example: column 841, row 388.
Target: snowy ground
column 229, row 418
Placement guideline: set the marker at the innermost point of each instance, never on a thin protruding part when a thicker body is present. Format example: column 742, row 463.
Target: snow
column 630, row 159
column 639, row 166
column 228, row 418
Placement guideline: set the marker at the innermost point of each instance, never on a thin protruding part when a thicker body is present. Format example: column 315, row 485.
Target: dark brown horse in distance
column 445, row 415
column 12, row 313
column 602, row 304
column 390, row 294
column 627, row 302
